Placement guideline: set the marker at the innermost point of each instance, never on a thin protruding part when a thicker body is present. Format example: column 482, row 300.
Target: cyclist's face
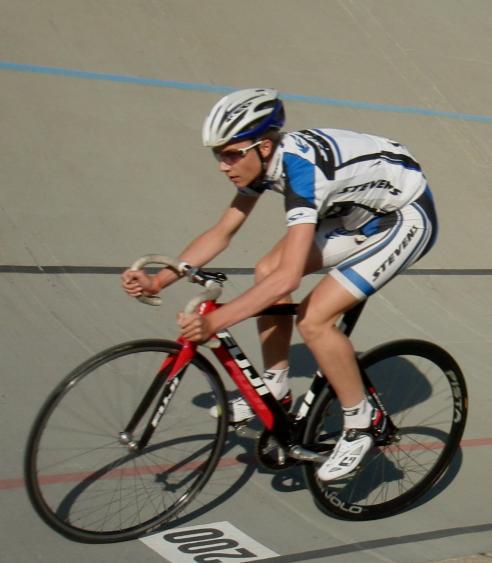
column 241, row 162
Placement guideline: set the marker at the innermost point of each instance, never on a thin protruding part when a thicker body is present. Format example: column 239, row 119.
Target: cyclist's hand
column 194, row 327
column 137, row 283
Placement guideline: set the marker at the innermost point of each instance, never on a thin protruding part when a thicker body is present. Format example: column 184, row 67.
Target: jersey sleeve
column 300, row 204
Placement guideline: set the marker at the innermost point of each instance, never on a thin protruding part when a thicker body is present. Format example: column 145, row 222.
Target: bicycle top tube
column 213, row 283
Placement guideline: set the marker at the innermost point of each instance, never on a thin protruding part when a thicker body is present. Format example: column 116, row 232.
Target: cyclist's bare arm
column 279, row 283
column 198, row 253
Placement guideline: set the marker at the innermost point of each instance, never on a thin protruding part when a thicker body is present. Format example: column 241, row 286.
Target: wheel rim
column 84, row 480
column 428, row 408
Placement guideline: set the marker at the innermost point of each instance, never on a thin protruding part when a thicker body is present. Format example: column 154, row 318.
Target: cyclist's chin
column 238, row 181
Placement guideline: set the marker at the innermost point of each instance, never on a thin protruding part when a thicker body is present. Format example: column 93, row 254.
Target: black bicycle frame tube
column 318, row 383
column 167, row 369
column 347, row 322
column 147, row 399
column 160, row 408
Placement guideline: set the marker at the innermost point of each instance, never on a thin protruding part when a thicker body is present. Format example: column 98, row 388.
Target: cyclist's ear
column 266, row 148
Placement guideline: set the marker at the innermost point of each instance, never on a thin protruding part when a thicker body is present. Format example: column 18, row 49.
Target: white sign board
column 220, row 542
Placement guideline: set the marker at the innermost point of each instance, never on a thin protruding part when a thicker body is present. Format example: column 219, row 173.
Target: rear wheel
column 86, row 481
column 424, row 393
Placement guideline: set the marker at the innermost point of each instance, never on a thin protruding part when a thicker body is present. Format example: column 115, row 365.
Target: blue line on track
column 199, row 87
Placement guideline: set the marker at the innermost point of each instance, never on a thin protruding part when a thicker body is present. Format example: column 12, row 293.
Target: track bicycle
column 126, row 441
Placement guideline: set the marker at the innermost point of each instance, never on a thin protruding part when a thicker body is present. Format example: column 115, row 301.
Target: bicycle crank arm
column 302, row 454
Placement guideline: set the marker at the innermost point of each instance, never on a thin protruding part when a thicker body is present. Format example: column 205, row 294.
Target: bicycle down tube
column 251, row 385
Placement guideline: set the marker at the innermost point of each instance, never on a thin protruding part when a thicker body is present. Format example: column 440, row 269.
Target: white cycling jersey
column 326, row 173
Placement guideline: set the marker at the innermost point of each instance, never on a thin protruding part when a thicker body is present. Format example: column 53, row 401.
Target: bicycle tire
column 430, row 415
column 86, row 484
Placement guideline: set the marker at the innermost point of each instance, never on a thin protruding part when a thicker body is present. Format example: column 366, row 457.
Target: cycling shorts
column 365, row 260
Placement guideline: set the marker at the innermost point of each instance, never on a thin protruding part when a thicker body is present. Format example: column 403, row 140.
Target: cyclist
column 355, row 203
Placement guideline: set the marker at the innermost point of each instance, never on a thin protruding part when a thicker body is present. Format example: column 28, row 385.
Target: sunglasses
column 233, row 156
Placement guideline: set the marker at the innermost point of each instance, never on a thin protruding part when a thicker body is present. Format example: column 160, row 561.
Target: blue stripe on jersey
column 300, row 173
column 373, row 249
column 371, row 227
column 333, row 142
column 359, row 282
column 347, row 271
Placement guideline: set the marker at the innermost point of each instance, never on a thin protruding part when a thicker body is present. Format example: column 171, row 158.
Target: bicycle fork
column 169, row 376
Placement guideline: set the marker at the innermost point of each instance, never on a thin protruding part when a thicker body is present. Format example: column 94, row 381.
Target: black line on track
column 116, row 270
column 378, row 543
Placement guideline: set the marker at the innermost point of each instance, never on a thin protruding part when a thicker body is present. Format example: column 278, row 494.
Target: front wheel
column 424, row 393
column 86, row 481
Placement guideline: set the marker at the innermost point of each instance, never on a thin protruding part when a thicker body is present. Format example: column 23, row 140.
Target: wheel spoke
column 88, row 485
column 416, row 381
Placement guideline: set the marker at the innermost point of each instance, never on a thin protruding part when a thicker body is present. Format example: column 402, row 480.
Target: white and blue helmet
column 245, row 114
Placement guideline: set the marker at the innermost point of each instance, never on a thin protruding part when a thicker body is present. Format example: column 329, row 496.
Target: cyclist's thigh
column 362, row 264
column 271, row 260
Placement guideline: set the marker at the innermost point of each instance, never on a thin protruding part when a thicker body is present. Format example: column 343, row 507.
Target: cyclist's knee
column 316, row 319
column 311, row 327
column 306, row 329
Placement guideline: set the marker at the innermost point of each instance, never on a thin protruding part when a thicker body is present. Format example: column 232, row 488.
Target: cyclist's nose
column 223, row 167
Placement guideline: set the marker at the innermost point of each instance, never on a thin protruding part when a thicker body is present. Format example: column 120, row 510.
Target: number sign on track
column 208, row 543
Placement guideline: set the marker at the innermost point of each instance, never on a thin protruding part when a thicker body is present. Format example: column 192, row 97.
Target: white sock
column 358, row 416
column 277, row 381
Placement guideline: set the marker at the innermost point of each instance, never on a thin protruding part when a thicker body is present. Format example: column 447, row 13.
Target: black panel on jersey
column 324, row 158
column 293, row 199
column 391, row 157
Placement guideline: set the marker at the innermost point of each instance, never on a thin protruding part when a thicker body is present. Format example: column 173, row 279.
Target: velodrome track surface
column 101, row 105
